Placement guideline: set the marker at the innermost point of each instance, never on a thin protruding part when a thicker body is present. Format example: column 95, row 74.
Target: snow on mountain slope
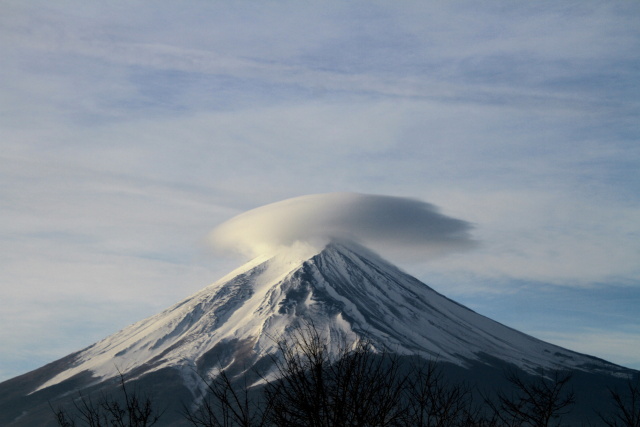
column 345, row 290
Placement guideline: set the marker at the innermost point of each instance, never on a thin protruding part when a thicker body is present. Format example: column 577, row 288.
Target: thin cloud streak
column 621, row 346
column 452, row 72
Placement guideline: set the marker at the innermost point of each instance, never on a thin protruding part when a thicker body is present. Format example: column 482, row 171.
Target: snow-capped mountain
column 345, row 290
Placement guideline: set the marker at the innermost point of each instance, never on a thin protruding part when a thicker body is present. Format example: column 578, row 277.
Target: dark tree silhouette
column 433, row 401
column 228, row 404
column 132, row 410
column 627, row 406
column 536, row 403
column 356, row 387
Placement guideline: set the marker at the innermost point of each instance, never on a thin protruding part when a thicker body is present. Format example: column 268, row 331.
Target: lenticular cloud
column 383, row 223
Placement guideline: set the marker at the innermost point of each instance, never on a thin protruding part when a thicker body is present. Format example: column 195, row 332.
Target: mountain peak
column 344, row 289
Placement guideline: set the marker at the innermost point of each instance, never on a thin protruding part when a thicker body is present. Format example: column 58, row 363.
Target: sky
column 131, row 129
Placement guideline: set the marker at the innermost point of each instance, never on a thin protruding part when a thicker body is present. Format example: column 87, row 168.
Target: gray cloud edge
column 386, row 224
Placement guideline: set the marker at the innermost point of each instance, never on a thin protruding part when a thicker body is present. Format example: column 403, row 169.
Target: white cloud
column 383, row 223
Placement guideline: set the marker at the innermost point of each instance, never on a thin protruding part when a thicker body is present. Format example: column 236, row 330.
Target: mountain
column 344, row 289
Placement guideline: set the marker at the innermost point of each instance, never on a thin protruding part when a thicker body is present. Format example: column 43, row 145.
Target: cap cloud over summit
column 390, row 225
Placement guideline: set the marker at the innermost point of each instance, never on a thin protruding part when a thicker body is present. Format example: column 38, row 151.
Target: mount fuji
column 345, row 290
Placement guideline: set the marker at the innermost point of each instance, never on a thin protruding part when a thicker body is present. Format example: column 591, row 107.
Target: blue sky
column 128, row 130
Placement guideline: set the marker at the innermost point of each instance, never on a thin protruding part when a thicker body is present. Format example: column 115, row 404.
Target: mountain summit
column 345, row 290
